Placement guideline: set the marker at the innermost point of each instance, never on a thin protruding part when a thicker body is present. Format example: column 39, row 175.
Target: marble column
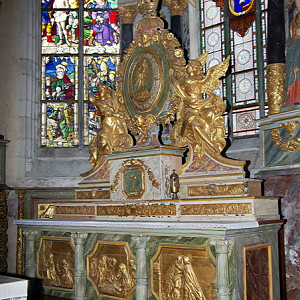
column 80, row 270
column 30, row 257
column 141, row 277
column 176, row 8
column 127, row 17
column 223, row 287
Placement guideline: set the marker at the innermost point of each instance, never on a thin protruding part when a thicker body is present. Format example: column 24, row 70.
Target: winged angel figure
column 200, row 121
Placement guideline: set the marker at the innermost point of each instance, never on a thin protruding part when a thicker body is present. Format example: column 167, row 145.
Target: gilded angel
column 113, row 134
column 200, row 121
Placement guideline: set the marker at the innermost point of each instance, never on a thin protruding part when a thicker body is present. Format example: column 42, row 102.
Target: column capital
column 176, row 7
column 141, row 241
column 30, row 234
column 127, row 14
column 221, row 245
column 79, row 237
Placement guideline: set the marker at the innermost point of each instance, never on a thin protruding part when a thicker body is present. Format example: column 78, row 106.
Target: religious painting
column 181, row 272
column 293, row 54
column 55, row 262
column 258, row 282
column 111, row 268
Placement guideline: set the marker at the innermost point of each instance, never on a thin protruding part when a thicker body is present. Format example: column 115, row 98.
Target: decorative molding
column 139, row 225
column 216, row 190
column 93, row 194
column 217, row 209
column 83, row 210
column 136, row 210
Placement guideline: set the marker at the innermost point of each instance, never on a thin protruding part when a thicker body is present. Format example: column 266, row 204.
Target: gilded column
column 276, row 69
column 127, row 16
column 30, row 257
column 276, row 87
column 223, row 287
column 176, row 8
column 20, row 250
column 80, row 270
column 3, row 228
column 141, row 277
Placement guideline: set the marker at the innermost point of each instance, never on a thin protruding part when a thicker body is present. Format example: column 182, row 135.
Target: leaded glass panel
column 241, row 88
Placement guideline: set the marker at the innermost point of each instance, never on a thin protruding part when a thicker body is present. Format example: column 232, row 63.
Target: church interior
column 150, row 149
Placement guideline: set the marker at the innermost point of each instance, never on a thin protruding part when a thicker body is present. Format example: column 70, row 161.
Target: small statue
column 113, row 134
column 200, row 121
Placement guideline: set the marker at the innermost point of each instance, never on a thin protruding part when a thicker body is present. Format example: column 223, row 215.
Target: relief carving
column 56, row 262
column 111, row 269
column 181, row 272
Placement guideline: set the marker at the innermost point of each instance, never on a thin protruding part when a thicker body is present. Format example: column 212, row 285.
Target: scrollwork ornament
column 286, row 145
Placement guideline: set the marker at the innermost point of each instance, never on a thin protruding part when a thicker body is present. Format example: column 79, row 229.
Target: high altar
column 161, row 214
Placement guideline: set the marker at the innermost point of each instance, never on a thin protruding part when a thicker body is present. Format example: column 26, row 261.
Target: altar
column 161, row 214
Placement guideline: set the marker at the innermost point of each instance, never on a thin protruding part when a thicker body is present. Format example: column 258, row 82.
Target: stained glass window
column 80, row 49
column 227, row 28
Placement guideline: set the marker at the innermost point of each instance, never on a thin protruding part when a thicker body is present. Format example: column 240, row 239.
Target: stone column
column 127, row 17
column 223, row 287
column 141, row 278
column 176, row 8
column 80, row 270
column 30, row 255
column 20, row 250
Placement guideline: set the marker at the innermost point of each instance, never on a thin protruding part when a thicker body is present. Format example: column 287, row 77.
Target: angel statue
column 200, row 121
column 113, row 134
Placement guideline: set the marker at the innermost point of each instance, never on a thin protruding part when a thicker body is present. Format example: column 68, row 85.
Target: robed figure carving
column 200, row 121
column 113, row 134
